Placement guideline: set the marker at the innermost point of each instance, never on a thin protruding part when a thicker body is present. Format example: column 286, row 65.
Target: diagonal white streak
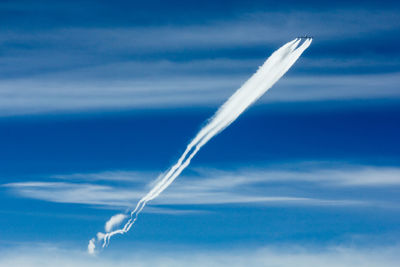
column 266, row 76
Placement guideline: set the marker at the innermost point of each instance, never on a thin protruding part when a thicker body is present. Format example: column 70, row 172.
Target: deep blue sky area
column 365, row 134
column 98, row 98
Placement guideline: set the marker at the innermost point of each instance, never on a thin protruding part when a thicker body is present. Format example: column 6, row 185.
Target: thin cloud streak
column 113, row 176
column 196, row 194
column 250, row 29
column 212, row 186
column 32, row 96
column 337, row 176
column 62, row 192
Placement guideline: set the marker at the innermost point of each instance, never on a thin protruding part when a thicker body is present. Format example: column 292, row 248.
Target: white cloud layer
column 285, row 256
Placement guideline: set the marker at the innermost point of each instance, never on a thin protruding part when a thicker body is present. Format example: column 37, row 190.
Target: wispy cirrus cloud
column 114, row 176
column 76, row 193
column 302, row 184
column 116, row 197
column 244, row 30
column 37, row 96
column 84, row 69
column 336, row 176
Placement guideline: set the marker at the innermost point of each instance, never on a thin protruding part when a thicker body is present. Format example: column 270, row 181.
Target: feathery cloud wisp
column 206, row 186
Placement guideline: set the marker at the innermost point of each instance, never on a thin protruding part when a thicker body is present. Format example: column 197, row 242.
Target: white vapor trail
column 266, row 76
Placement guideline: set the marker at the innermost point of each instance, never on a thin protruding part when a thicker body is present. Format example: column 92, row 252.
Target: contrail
column 266, row 76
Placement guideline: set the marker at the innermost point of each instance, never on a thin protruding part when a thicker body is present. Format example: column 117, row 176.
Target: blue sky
column 98, row 98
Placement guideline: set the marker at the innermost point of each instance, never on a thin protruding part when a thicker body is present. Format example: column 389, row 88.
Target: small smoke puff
column 91, row 246
column 100, row 236
column 114, row 221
